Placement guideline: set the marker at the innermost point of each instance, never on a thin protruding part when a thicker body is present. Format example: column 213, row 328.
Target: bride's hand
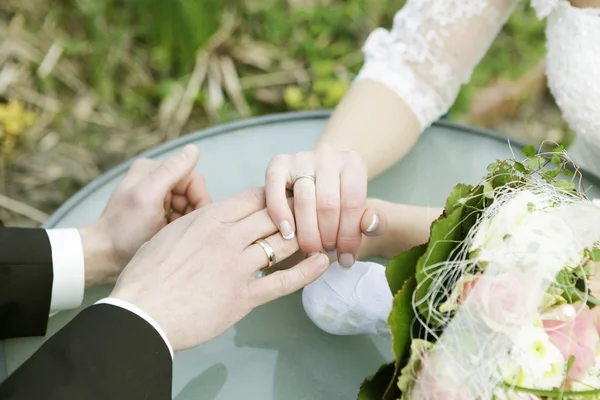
column 330, row 191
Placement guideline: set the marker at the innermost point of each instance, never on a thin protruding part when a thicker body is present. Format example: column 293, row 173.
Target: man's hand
column 152, row 194
column 196, row 277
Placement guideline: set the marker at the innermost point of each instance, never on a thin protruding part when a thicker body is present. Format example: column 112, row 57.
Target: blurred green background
column 86, row 84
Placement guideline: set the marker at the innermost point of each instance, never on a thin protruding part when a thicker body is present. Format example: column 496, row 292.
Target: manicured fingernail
column 373, row 225
column 286, row 230
column 346, row 260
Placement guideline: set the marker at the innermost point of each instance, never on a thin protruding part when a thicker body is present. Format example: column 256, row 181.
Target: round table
column 276, row 352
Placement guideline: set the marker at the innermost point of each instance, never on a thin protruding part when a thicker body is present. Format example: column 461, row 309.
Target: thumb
column 173, row 170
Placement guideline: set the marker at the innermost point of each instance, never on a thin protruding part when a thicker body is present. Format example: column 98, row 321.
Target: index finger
column 277, row 178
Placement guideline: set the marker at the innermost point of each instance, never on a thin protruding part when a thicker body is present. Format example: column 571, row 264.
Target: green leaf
column 553, row 173
column 595, row 255
column 374, row 387
column 459, row 192
column 445, row 236
column 555, row 159
column 559, row 149
column 521, row 168
column 565, row 185
column 529, row 151
column 493, row 166
column 488, row 190
column 570, row 363
column 535, row 163
column 403, row 267
column 400, row 323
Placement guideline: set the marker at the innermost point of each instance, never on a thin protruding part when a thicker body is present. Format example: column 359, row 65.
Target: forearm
column 374, row 121
column 408, row 226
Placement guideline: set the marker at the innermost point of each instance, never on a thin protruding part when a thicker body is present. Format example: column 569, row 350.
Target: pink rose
column 577, row 337
column 595, row 314
column 505, row 301
column 438, row 381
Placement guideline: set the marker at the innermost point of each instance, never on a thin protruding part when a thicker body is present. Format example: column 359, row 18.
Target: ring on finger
column 304, row 175
column 272, row 259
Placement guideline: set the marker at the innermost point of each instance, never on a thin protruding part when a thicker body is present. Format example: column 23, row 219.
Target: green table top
column 276, row 352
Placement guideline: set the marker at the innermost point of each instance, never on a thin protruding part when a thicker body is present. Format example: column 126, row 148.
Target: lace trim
column 421, row 59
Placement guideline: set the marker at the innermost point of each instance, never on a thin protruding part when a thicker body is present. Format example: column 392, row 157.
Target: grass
column 100, row 81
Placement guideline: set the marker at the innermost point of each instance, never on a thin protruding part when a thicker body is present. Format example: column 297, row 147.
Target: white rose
column 491, row 233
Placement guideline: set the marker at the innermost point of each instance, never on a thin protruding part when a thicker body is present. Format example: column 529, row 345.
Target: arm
column 408, row 226
column 412, row 75
column 40, row 272
column 105, row 352
column 25, row 282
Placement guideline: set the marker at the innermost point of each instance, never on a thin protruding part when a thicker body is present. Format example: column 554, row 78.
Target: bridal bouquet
column 500, row 303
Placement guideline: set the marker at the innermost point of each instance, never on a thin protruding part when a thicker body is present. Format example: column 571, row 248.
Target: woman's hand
column 330, row 191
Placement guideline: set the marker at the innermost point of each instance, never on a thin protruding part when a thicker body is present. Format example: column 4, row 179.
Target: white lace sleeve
column 432, row 49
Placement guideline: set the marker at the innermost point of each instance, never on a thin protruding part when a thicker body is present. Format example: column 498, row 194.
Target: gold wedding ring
column 304, row 175
column 268, row 250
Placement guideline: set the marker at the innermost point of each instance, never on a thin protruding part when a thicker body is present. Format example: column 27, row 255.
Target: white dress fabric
column 428, row 54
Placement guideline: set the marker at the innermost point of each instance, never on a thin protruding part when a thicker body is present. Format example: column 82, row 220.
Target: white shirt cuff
column 141, row 314
column 68, row 267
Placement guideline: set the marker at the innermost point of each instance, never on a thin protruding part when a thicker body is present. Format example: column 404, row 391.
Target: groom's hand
column 152, row 194
column 195, row 278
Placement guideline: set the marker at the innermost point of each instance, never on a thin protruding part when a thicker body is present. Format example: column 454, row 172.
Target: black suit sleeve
column 105, row 352
column 26, row 275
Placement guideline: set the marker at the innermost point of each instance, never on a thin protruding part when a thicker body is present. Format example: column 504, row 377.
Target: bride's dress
column 425, row 58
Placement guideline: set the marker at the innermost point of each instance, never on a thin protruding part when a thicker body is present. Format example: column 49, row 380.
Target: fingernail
column 189, row 150
column 346, row 260
column 330, row 251
column 286, row 230
column 373, row 225
column 325, row 261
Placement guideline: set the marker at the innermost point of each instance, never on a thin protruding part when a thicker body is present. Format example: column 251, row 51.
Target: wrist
column 101, row 265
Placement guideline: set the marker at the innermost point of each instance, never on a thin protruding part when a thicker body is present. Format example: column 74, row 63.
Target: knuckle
column 328, row 204
column 354, row 157
column 138, row 198
column 329, row 243
column 354, row 203
column 272, row 177
column 284, row 284
column 348, row 242
column 278, row 160
column 304, row 198
column 304, row 156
